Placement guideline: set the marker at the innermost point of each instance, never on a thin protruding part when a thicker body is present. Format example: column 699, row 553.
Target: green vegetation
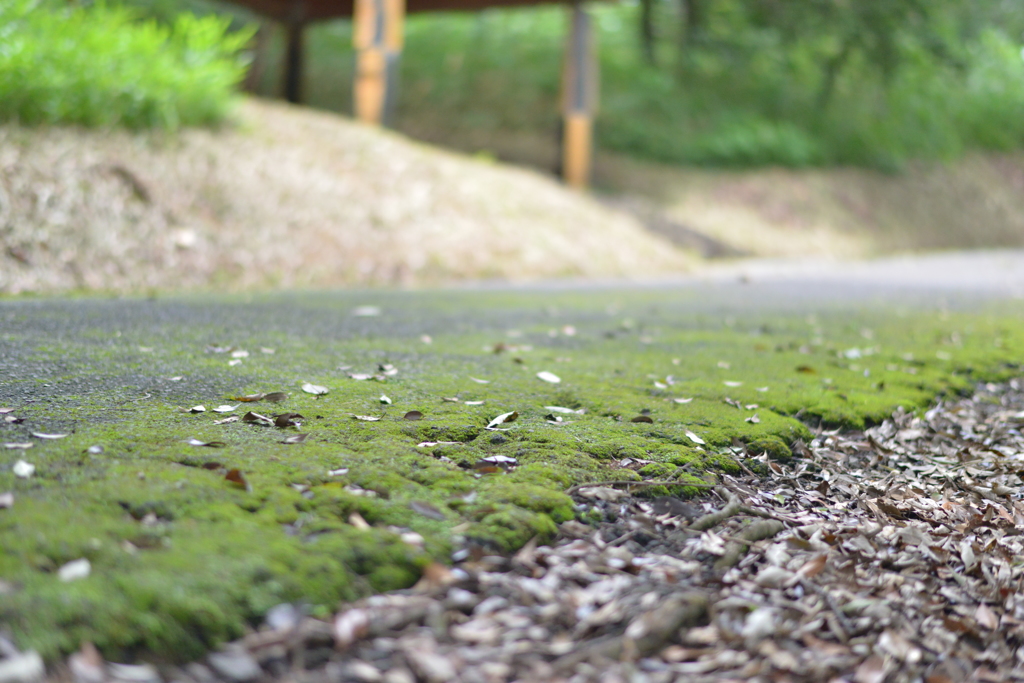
column 755, row 83
column 183, row 558
column 97, row 66
column 725, row 83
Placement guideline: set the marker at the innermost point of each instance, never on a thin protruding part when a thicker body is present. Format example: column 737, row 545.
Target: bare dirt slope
column 832, row 214
column 842, row 213
column 296, row 198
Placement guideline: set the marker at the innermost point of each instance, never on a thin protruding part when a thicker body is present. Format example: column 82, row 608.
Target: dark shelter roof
column 316, row 10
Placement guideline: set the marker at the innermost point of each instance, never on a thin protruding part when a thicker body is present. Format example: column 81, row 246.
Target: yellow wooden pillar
column 579, row 98
column 377, row 37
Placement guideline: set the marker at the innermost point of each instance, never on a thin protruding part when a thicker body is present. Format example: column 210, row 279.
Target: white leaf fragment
column 694, row 438
column 681, row 400
column 314, row 389
column 225, row 408
column 549, row 377
column 23, row 470
column 566, row 411
column 504, row 418
column 384, row 399
column 480, row 381
column 40, row 435
column 74, row 570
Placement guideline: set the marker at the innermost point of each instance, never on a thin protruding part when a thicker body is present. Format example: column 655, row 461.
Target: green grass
column 748, row 97
column 98, row 66
column 182, row 559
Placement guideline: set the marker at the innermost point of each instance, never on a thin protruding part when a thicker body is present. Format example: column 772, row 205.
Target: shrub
column 98, row 66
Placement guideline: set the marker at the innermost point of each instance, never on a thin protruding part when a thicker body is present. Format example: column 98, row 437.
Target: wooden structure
column 377, row 38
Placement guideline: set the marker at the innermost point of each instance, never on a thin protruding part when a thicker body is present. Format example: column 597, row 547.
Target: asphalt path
column 32, row 331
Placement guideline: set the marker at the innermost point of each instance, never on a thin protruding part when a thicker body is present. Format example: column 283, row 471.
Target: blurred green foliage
column 99, row 66
column 757, row 82
column 716, row 82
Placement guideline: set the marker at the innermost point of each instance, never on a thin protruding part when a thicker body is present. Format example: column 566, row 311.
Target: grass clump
column 98, row 66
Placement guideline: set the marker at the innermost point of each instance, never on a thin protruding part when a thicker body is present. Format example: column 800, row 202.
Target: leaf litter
column 889, row 554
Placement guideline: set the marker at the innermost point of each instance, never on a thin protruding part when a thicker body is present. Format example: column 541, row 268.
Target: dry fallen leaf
column 40, row 435
column 368, row 418
column 295, row 438
column 427, row 510
column 285, row 420
column 209, row 444
column 643, row 418
column 237, row 479
column 315, row 389
column 256, row 418
column 356, row 520
column 504, row 418
column 871, row 670
column 23, row 470
column 252, row 398
column 413, row 415
column 986, row 618
column 567, row 411
column 74, row 570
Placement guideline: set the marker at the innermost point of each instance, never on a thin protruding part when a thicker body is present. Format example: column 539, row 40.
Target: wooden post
column 295, row 28
column 579, row 99
column 377, row 36
column 293, row 61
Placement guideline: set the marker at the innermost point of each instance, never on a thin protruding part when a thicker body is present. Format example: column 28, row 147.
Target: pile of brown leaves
column 884, row 555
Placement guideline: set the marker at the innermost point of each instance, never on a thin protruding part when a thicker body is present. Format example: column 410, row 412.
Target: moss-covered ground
column 661, row 384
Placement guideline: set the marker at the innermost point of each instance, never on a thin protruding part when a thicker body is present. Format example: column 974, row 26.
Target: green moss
column 775, row 447
column 183, row 559
column 657, row 470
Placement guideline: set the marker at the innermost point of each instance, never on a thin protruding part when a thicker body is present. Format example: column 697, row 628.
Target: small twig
column 713, row 519
column 754, row 512
column 758, row 531
column 626, row 482
column 623, row 538
column 846, row 629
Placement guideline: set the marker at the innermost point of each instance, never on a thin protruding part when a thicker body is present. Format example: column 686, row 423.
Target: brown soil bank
column 844, row 213
column 977, row 202
column 294, row 198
